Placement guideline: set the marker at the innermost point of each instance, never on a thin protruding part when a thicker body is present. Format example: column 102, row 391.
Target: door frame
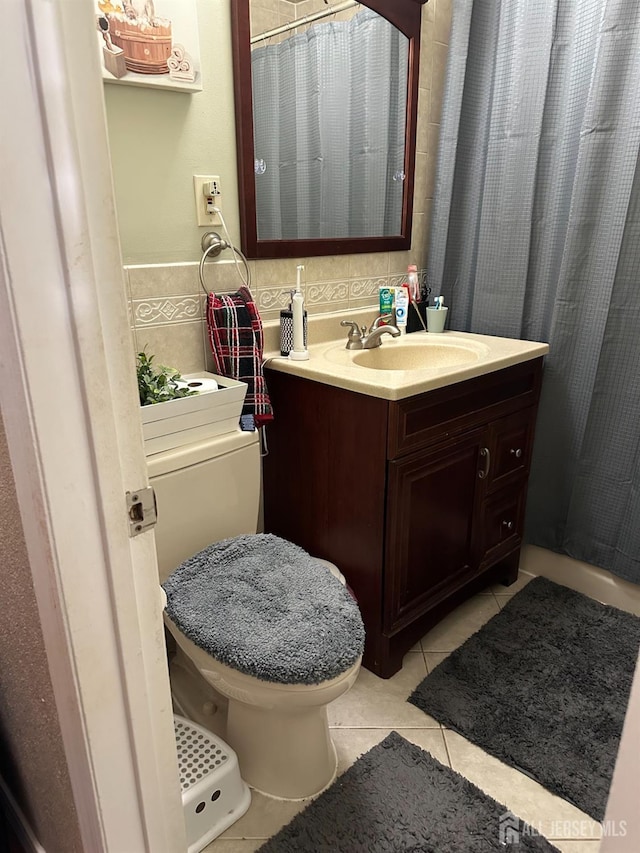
column 71, row 416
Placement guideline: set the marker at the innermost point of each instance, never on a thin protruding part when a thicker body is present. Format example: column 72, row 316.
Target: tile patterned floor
column 373, row 707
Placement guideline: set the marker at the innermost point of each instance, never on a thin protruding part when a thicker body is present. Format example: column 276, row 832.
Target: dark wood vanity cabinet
column 419, row 502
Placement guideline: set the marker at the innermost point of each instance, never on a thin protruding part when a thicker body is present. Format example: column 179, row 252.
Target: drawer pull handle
column 517, row 452
column 486, row 455
column 508, row 525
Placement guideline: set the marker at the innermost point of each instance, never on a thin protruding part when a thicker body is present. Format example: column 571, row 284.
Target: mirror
column 325, row 122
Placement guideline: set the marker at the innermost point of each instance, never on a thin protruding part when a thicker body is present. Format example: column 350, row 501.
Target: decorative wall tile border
column 361, row 288
column 272, row 299
column 326, row 293
column 170, row 309
column 320, row 296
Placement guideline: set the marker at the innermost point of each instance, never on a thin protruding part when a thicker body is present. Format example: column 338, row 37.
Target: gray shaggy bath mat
column 543, row 686
column 263, row 606
column 398, row 799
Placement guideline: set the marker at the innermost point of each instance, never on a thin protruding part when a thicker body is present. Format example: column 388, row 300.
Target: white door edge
column 69, row 405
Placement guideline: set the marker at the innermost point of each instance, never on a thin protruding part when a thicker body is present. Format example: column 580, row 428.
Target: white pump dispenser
column 299, row 351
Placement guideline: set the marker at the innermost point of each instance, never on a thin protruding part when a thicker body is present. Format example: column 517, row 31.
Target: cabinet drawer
column 434, row 416
column 511, row 443
column 502, row 523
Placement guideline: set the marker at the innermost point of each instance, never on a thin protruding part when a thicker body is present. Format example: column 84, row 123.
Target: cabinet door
column 431, row 543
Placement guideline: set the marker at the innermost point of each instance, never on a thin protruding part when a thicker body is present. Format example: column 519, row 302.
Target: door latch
column 142, row 510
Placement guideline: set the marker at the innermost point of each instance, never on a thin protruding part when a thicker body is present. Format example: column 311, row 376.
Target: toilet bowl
column 278, row 730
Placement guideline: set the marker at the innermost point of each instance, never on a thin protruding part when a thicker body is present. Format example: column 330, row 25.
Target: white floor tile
column 376, row 702
column 224, row 845
column 573, row 846
column 265, row 817
column 459, row 625
column 434, row 658
column 352, row 743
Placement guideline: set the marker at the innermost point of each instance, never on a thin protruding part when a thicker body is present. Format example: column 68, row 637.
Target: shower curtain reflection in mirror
column 329, row 109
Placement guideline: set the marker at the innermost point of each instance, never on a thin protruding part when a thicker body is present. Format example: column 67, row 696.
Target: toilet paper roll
column 199, row 384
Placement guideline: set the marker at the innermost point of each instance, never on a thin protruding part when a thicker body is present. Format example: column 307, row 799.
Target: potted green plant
column 159, row 384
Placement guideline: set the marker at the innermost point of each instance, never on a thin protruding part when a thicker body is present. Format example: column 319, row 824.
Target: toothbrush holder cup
column 436, row 319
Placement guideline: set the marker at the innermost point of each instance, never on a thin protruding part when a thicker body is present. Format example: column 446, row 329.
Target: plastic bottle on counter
column 414, row 284
column 402, row 308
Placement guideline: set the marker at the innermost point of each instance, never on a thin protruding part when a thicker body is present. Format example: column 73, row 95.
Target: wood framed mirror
column 289, row 214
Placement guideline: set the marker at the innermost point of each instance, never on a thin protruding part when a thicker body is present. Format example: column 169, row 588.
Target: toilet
column 265, row 694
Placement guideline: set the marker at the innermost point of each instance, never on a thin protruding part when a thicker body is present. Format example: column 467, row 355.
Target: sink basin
column 412, row 354
column 408, row 365
column 414, row 357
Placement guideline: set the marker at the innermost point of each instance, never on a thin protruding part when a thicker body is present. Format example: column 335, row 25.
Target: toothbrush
column 417, row 310
column 438, row 302
column 299, row 351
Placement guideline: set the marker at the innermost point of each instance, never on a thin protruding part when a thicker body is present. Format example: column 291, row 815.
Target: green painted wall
column 159, row 140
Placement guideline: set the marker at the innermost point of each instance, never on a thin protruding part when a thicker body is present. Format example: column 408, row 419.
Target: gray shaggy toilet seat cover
column 265, row 607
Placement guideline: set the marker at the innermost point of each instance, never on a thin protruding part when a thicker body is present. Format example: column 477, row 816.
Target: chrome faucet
column 359, row 338
column 372, row 340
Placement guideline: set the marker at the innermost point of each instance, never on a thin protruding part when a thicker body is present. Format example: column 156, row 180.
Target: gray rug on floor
column 543, row 686
column 397, row 797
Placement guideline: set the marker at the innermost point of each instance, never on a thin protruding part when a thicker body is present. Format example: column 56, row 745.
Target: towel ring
column 212, row 245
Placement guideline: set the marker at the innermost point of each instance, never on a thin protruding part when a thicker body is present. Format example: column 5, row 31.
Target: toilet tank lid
column 265, row 607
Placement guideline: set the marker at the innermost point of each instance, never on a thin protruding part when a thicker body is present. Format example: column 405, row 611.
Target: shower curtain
column 536, row 234
column 329, row 124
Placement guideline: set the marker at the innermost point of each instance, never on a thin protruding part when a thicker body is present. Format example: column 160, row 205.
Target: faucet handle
column 354, row 340
column 381, row 319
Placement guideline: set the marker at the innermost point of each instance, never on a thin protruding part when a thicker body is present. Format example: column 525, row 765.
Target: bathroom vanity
column 414, row 484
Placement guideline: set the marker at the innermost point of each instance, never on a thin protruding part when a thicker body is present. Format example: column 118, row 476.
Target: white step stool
column 213, row 794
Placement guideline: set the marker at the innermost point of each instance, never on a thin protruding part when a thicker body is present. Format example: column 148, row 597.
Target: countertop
column 332, row 364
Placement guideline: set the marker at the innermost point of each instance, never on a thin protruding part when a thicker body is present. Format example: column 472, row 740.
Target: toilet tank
column 205, row 491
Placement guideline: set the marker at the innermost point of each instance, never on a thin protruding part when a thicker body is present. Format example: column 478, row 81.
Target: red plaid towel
column 235, row 336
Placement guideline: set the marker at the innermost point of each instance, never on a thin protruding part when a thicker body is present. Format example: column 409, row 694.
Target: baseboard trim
column 18, row 821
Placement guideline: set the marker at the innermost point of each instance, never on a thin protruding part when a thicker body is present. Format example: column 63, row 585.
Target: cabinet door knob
column 507, row 524
column 517, row 452
column 486, row 455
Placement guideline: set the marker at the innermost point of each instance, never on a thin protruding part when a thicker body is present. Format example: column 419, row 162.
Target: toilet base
column 280, row 732
column 289, row 755
column 194, row 698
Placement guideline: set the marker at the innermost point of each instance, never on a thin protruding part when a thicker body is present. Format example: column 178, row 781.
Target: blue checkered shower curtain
column 536, row 234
